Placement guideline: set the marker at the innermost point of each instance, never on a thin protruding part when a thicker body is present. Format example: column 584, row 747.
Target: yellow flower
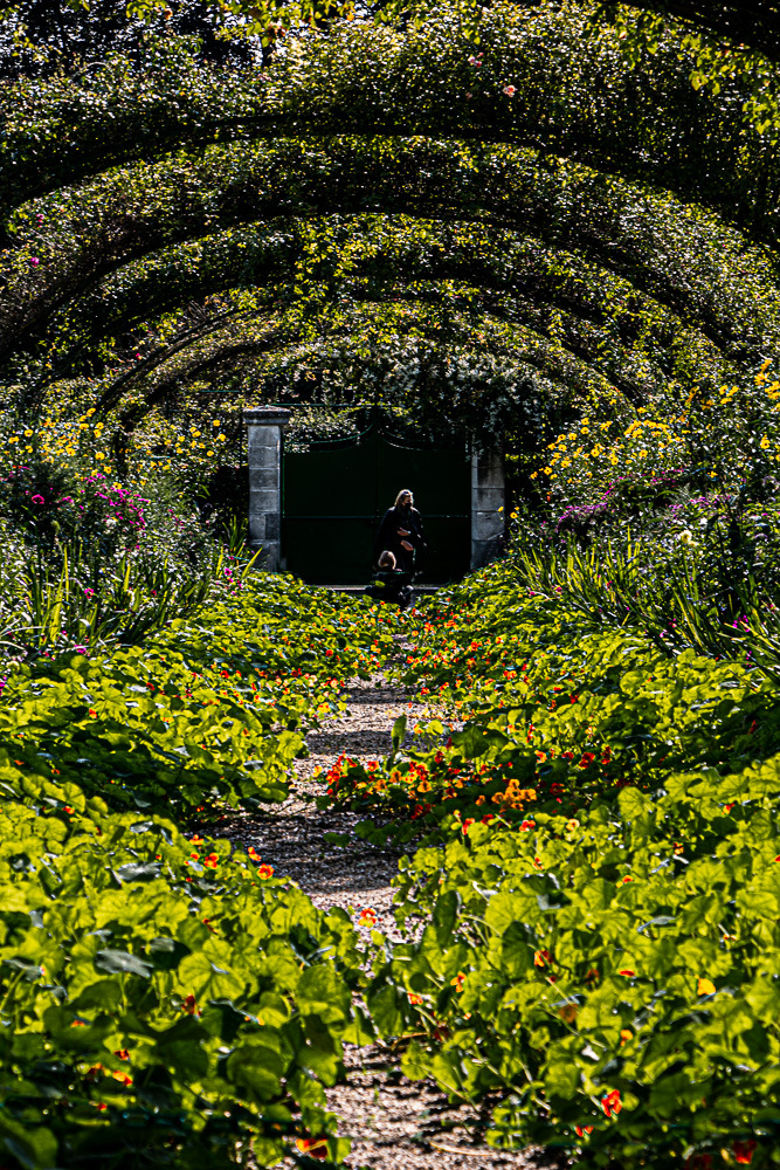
column 705, row 987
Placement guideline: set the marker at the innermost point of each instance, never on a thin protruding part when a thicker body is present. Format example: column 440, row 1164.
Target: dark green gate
column 335, row 494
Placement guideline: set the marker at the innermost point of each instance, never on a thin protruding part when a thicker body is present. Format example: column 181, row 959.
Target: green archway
column 491, row 235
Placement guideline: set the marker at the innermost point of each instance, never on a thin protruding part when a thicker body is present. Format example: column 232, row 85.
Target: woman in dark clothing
column 401, row 531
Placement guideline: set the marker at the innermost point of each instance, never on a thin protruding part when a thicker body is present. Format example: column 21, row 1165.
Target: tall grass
column 668, row 594
column 47, row 609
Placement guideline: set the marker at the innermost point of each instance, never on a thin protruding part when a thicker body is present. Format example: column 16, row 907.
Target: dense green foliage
column 599, row 940
column 166, row 999
column 492, row 227
column 529, row 225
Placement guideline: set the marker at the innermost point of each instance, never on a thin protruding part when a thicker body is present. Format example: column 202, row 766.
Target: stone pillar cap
column 266, row 415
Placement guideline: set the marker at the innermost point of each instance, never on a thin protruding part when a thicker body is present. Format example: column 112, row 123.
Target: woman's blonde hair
column 404, row 492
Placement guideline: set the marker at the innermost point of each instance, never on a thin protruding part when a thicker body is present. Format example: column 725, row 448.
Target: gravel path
column 394, row 1124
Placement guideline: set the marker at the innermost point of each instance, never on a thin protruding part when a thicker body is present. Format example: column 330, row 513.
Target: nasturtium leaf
column 113, row 962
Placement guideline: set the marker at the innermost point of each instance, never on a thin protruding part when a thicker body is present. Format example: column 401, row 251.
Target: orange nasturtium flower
column 743, row 1152
column 611, row 1103
column 265, row 871
column 705, row 987
column 367, row 917
column 313, row 1147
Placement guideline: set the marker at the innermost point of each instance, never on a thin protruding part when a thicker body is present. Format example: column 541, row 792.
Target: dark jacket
column 393, row 585
column 386, row 584
column 390, row 538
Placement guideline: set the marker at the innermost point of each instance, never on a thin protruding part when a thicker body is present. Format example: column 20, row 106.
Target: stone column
column 487, row 496
column 265, row 426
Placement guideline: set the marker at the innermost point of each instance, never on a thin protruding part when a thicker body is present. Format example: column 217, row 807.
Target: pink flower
column 89, row 592
column 509, row 90
column 33, row 261
column 37, row 500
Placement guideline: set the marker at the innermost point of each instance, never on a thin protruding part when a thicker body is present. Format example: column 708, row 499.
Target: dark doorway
column 335, row 494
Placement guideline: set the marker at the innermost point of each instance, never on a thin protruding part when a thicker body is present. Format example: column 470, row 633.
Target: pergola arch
column 223, row 254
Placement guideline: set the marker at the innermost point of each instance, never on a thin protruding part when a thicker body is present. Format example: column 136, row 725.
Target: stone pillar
column 487, row 496
column 265, row 426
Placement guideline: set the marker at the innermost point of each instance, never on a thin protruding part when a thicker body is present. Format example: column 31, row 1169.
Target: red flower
column 313, row 1147
column 743, row 1151
column 611, row 1103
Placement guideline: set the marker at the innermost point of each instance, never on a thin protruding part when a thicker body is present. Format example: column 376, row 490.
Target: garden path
column 393, row 1123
